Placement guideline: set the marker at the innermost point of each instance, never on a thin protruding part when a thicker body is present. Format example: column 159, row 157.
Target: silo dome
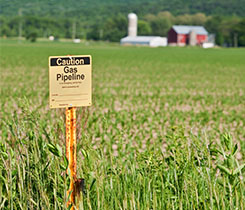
column 132, row 24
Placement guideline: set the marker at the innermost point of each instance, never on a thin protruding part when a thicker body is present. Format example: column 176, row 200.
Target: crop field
column 166, row 129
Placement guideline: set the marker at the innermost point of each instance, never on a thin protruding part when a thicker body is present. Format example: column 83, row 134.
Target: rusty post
column 71, row 145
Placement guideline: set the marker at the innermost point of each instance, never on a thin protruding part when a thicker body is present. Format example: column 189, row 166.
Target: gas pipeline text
column 70, row 74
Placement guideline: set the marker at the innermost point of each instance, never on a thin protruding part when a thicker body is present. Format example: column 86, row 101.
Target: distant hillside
column 107, row 19
column 94, row 9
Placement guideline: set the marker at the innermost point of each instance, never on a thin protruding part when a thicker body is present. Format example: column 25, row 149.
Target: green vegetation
column 107, row 20
column 90, row 9
column 166, row 129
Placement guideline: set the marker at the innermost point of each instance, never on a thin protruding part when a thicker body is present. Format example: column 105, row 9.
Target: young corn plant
column 230, row 169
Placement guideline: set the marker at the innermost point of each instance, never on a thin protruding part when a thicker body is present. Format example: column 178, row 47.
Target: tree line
column 229, row 31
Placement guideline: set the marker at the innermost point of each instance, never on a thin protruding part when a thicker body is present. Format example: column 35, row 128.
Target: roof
column 181, row 29
column 140, row 39
column 152, row 41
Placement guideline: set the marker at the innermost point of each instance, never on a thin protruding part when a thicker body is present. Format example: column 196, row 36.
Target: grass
column 166, row 129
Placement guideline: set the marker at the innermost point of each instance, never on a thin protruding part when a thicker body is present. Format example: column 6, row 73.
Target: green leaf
column 46, row 167
column 224, row 169
column 59, row 150
column 69, row 172
column 69, row 207
column 66, row 162
column 92, row 184
column 215, row 151
column 238, row 169
column 234, row 149
column 4, row 154
column 68, row 198
column 65, row 166
column 56, row 150
column 85, row 154
column 3, row 179
column 62, row 167
column 220, row 182
column 228, row 141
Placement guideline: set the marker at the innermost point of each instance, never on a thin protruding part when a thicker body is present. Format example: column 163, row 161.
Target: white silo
column 132, row 24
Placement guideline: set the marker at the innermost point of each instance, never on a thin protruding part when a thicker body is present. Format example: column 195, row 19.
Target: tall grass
column 166, row 129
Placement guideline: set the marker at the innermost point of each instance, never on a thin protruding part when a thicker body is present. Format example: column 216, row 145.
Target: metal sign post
column 70, row 86
column 71, row 147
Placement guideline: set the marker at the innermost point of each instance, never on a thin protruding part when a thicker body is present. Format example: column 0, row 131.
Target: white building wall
column 159, row 42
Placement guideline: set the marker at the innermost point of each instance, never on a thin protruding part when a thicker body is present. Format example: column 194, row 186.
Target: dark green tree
column 115, row 28
column 144, row 28
column 214, row 26
column 240, row 32
column 32, row 35
column 160, row 26
column 95, row 33
column 219, row 39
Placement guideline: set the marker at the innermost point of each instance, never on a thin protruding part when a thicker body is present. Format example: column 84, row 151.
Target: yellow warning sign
column 70, row 81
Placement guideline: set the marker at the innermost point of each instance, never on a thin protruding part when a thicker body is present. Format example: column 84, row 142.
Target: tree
column 94, row 33
column 144, row 28
column 240, row 31
column 219, row 38
column 5, row 31
column 199, row 19
column 115, row 28
column 214, row 25
column 32, row 35
column 149, row 17
column 166, row 15
column 160, row 26
column 185, row 19
column 228, row 31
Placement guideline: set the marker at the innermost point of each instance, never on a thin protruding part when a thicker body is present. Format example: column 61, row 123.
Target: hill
column 94, row 9
column 107, row 19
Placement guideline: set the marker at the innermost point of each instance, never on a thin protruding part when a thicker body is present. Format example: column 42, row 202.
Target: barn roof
column 182, row 29
column 153, row 41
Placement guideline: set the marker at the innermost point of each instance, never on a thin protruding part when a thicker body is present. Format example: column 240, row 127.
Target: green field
column 166, row 129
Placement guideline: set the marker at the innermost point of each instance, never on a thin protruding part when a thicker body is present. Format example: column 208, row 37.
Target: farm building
column 182, row 35
column 133, row 39
column 152, row 41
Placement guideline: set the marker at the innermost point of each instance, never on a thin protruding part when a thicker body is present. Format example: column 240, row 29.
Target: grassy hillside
column 166, row 129
column 102, row 8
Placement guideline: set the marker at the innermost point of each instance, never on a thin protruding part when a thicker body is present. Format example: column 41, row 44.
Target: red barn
column 187, row 35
